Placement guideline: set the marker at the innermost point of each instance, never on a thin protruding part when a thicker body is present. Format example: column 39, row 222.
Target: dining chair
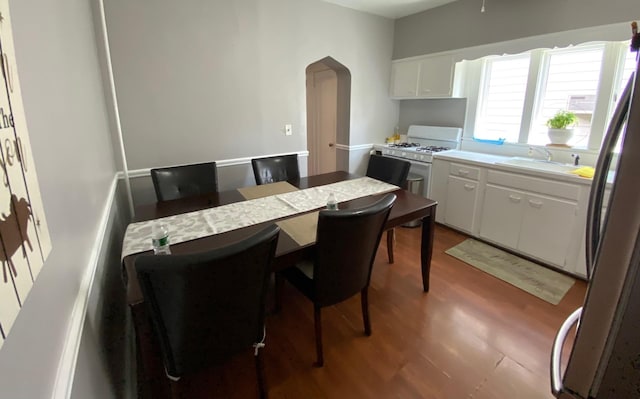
column 393, row 171
column 184, row 181
column 206, row 307
column 346, row 245
column 275, row 169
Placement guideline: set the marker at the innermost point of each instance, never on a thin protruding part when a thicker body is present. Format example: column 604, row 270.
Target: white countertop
column 494, row 162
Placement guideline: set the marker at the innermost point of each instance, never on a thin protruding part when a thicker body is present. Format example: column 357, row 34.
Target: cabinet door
column 404, row 78
column 462, row 198
column 547, row 228
column 502, row 215
column 436, row 76
column 438, row 187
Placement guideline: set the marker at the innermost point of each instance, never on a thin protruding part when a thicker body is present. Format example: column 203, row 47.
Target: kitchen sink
column 538, row 164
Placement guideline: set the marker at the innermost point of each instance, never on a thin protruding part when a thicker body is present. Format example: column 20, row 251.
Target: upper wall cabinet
column 424, row 77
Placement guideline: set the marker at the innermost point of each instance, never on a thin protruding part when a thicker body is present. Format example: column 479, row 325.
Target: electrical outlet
column 287, row 130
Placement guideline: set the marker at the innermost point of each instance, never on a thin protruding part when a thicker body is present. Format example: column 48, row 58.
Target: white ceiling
column 390, row 8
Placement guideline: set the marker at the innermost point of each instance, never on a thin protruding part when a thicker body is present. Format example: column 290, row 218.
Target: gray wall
column 461, row 24
column 209, row 80
column 68, row 126
column 448, row 112
column 106, row 365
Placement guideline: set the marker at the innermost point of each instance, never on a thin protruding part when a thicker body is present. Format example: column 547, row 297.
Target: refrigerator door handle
column 596, row 195
column 556, row 351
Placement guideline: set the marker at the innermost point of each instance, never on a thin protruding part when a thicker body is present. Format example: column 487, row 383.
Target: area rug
column 537, row 280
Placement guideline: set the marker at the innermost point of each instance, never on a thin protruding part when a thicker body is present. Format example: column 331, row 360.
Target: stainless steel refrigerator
column 605, row 359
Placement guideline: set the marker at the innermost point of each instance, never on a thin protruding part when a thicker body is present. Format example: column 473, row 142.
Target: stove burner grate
column 404, row 145
column 432, row 148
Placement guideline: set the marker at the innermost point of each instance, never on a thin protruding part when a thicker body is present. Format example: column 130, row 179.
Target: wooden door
column 322, row 109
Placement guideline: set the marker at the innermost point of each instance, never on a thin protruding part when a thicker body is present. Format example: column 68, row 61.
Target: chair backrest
column 185, row 181
column 389, row 170
column 347, row 241
column 275, row 169
column 208, row 306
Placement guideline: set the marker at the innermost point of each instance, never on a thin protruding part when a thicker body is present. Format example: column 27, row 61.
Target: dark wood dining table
column 407, row 207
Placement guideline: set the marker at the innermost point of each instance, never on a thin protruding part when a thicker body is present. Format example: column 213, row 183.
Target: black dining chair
column 206, row 307
column 185, row 181
column 346, row 245
column 275, row 169
column 393, row 171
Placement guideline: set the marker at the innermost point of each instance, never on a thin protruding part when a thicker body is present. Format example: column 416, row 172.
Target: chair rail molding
column 220, row 164
column 68, row 360
column 357, row 147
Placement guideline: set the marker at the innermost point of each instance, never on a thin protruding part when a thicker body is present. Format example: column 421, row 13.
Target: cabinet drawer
column 534, row 184
column 468, row 172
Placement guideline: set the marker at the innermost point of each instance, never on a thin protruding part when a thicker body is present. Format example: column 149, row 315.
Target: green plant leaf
column 562, row 119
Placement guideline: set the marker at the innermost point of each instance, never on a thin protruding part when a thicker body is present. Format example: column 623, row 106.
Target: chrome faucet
column 544, row 151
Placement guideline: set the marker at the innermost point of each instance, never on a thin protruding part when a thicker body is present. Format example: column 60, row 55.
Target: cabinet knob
column 535, row 204
column 469, row 187
column 463, row 172
column 514, row 198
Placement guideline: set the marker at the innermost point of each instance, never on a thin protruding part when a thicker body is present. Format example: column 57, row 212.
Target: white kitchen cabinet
column 438, row 186
column 462, row 203
column 457, row 190
column 404, row 78
column 535, row 224
column 547, row 228
column 424, row 77
column 539, row 215
column 502, row 215
column 435, row 77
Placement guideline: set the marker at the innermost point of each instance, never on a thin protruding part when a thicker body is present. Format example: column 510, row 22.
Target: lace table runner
column 302, row 229
column 206, row 222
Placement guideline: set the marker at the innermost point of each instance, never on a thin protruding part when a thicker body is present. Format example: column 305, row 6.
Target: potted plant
column 561, row 127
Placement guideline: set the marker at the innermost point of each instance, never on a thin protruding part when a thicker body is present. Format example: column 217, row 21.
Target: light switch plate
column 287, row 130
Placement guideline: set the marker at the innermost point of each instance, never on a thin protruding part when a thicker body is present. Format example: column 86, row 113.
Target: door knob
column 330, row 144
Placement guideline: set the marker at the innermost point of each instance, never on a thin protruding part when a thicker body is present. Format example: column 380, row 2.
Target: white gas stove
column 422, row 142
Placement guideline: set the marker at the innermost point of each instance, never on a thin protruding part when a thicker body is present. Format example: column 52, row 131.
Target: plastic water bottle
column 332, row 203
column 160, row 239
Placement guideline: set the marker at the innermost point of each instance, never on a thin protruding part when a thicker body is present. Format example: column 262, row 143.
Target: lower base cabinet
column 536, row 225
column 539, row 217
column 502, row 215
column 462, row 200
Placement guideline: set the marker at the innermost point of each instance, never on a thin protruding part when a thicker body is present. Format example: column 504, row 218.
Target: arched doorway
column 328, row 116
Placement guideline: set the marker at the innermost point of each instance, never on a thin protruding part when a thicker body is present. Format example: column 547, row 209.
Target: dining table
column 407, row 207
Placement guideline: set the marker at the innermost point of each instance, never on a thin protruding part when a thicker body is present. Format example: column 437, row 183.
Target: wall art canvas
column 24, row 236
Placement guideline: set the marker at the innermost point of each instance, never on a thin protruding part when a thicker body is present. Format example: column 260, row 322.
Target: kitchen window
column 505, row 85
column 514, row 95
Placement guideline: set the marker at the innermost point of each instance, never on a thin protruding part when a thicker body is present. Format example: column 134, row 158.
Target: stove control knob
column 404, row 154
column 422, row 157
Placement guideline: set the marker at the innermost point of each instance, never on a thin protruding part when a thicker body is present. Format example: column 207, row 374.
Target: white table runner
column 198, row 224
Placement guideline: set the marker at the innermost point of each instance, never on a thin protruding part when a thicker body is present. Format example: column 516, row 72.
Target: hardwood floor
column 471, row 336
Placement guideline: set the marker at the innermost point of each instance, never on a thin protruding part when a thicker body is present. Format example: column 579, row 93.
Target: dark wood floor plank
column 471, row 336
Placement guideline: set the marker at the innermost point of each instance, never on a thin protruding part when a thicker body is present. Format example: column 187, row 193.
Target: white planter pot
column 560, row 136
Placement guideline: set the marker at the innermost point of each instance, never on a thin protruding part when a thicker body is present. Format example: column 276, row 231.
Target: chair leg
column 318, row 324
column 364, row 299
column 262, row 386
column 279, row 289
column 176, row 391
column 391, row 237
